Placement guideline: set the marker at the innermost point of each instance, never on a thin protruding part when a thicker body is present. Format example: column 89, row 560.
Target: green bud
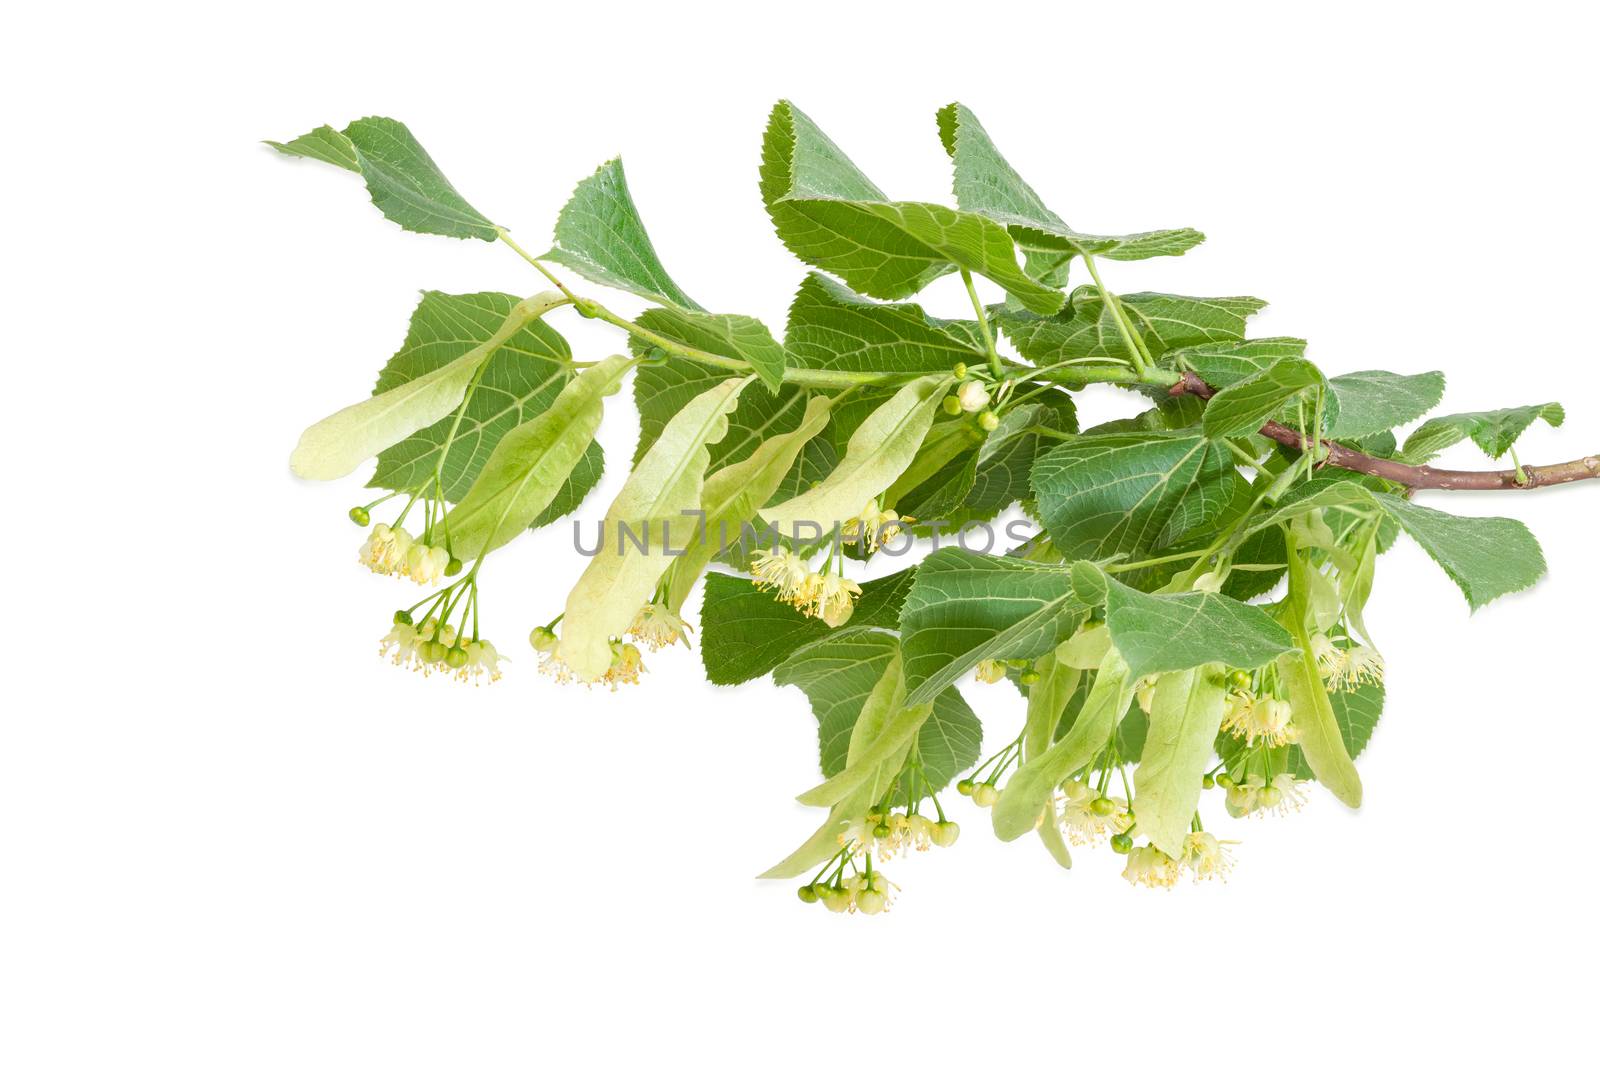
column 945, row 833
column 432, row 651
column 836, row 900
column 964, row 786
column 1018, row 664
column 1122, row 843
column 880, row 831
column 1225, row 780
column 807, row 894
column 1029, row 677
column 1208, row 782
column 871, row 901
column 961, row 371
column 951, row 405
column 1102, row 806
column 988, row 421
column 1239, row 679
column 360, row 516
column 452, row 568
column 455, row 658
column 1270, row 796
column 986, row 795
column 402, row 618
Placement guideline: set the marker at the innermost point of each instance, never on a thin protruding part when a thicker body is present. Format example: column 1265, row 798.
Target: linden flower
column 832, row 598
column 658, row 626
column 426, row 565
column 1086, row 816
column 874, row 528
column 1206, row 856
column 972, row 396
column 1151, row 867
column 385, row 549
column 403, row 642
column 990, row 670
column 869, row 894
column 1254, row 719
column 1363, row 667
column 1331, row 659
column 483, row 661
column 626, row 666
column 781, row 570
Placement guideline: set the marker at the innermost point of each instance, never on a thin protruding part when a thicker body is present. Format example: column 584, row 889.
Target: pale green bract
column 1185, row 714
column 879, row 450
column 531, row 463
column 336, row 445
column 664, row 485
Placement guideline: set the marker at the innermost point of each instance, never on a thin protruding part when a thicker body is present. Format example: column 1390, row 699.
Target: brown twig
column 1407, row 474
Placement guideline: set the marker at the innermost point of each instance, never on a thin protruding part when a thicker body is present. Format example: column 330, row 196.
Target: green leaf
column 832, row 328
column 531, row 463
column 1031, row 787
column 1113, row 494
column 1089, row 328
column 325, row 144
column 1485, row 557
column 746, row 632
column 733, row 494
column 1372, row 401
column 1225, row 362
column 1493, row 431
column 830, row 215
column 965, row 607
column 879, row 451
column 600, row 236
column 986, row 184
column 1161, row 633
column 1240, row 409
column 339, row 443
column 519, row 382
column 622, row 577
column 1184, row 718
column 404, row 182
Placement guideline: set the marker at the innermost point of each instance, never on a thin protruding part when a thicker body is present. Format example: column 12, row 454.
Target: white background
column 230, row 834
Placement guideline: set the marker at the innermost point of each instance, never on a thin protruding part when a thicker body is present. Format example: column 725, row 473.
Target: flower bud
column 871, row 901
column 543, row 639
column 972, row 396
column 836, row 900
column 452, row 568
column 808, row 894
column 964, row 786
column 986, row 795
column 360, row 516
column 455, row 658
column 960, row 371
column 951, row 405
column 1029, row 677
column 402, row 618
column 432, row 651
column 1102, row 806
column 945, row 833
column 1122, row 843
column 1225, row 780
column 1208, row 782
column 1239, row 679
column 988, row 421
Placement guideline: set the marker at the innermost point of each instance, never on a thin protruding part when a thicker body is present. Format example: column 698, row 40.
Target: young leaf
column 531, row 463
column 830, row 215
column 518, row 382
column 1372, row 401
column 1493, row 431
column 879, row 451
column 1240, row 409
column 1161, row 633
column 600, row 236
column 1184, row 718
column 966, row 607
column 746, row 631
column 1030, row 788
column 732, row 495
column 986, row 184
column 832, row 328
column 623, row 576
column 1089, row 328
column 1485, row 557
column 404, row 182
column 736, row 336
column 337, row 445
column 1103, row 495
column 1226, row 362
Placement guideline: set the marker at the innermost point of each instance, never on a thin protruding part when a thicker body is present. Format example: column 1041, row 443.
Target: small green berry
column 964, row 786
column 1122, row 843
column 360, row 516
column 1208, row 781
column 1225, row 780
column 807, row 894
column 1102, row 806
column 880, row 831
column 1239, row 679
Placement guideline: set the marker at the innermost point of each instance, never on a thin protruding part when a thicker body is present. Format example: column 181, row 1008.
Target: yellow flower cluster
column 1346, row 668
column 889, row 835
column 874, row 528
column 830, row 597
column 1203, row 856
column 627, row 663
column 1257, row 795
column 394, row 551
column 658, row 626
column 1085, row 816
column 864, row 893
column 431, row 648
column 1253, row 718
